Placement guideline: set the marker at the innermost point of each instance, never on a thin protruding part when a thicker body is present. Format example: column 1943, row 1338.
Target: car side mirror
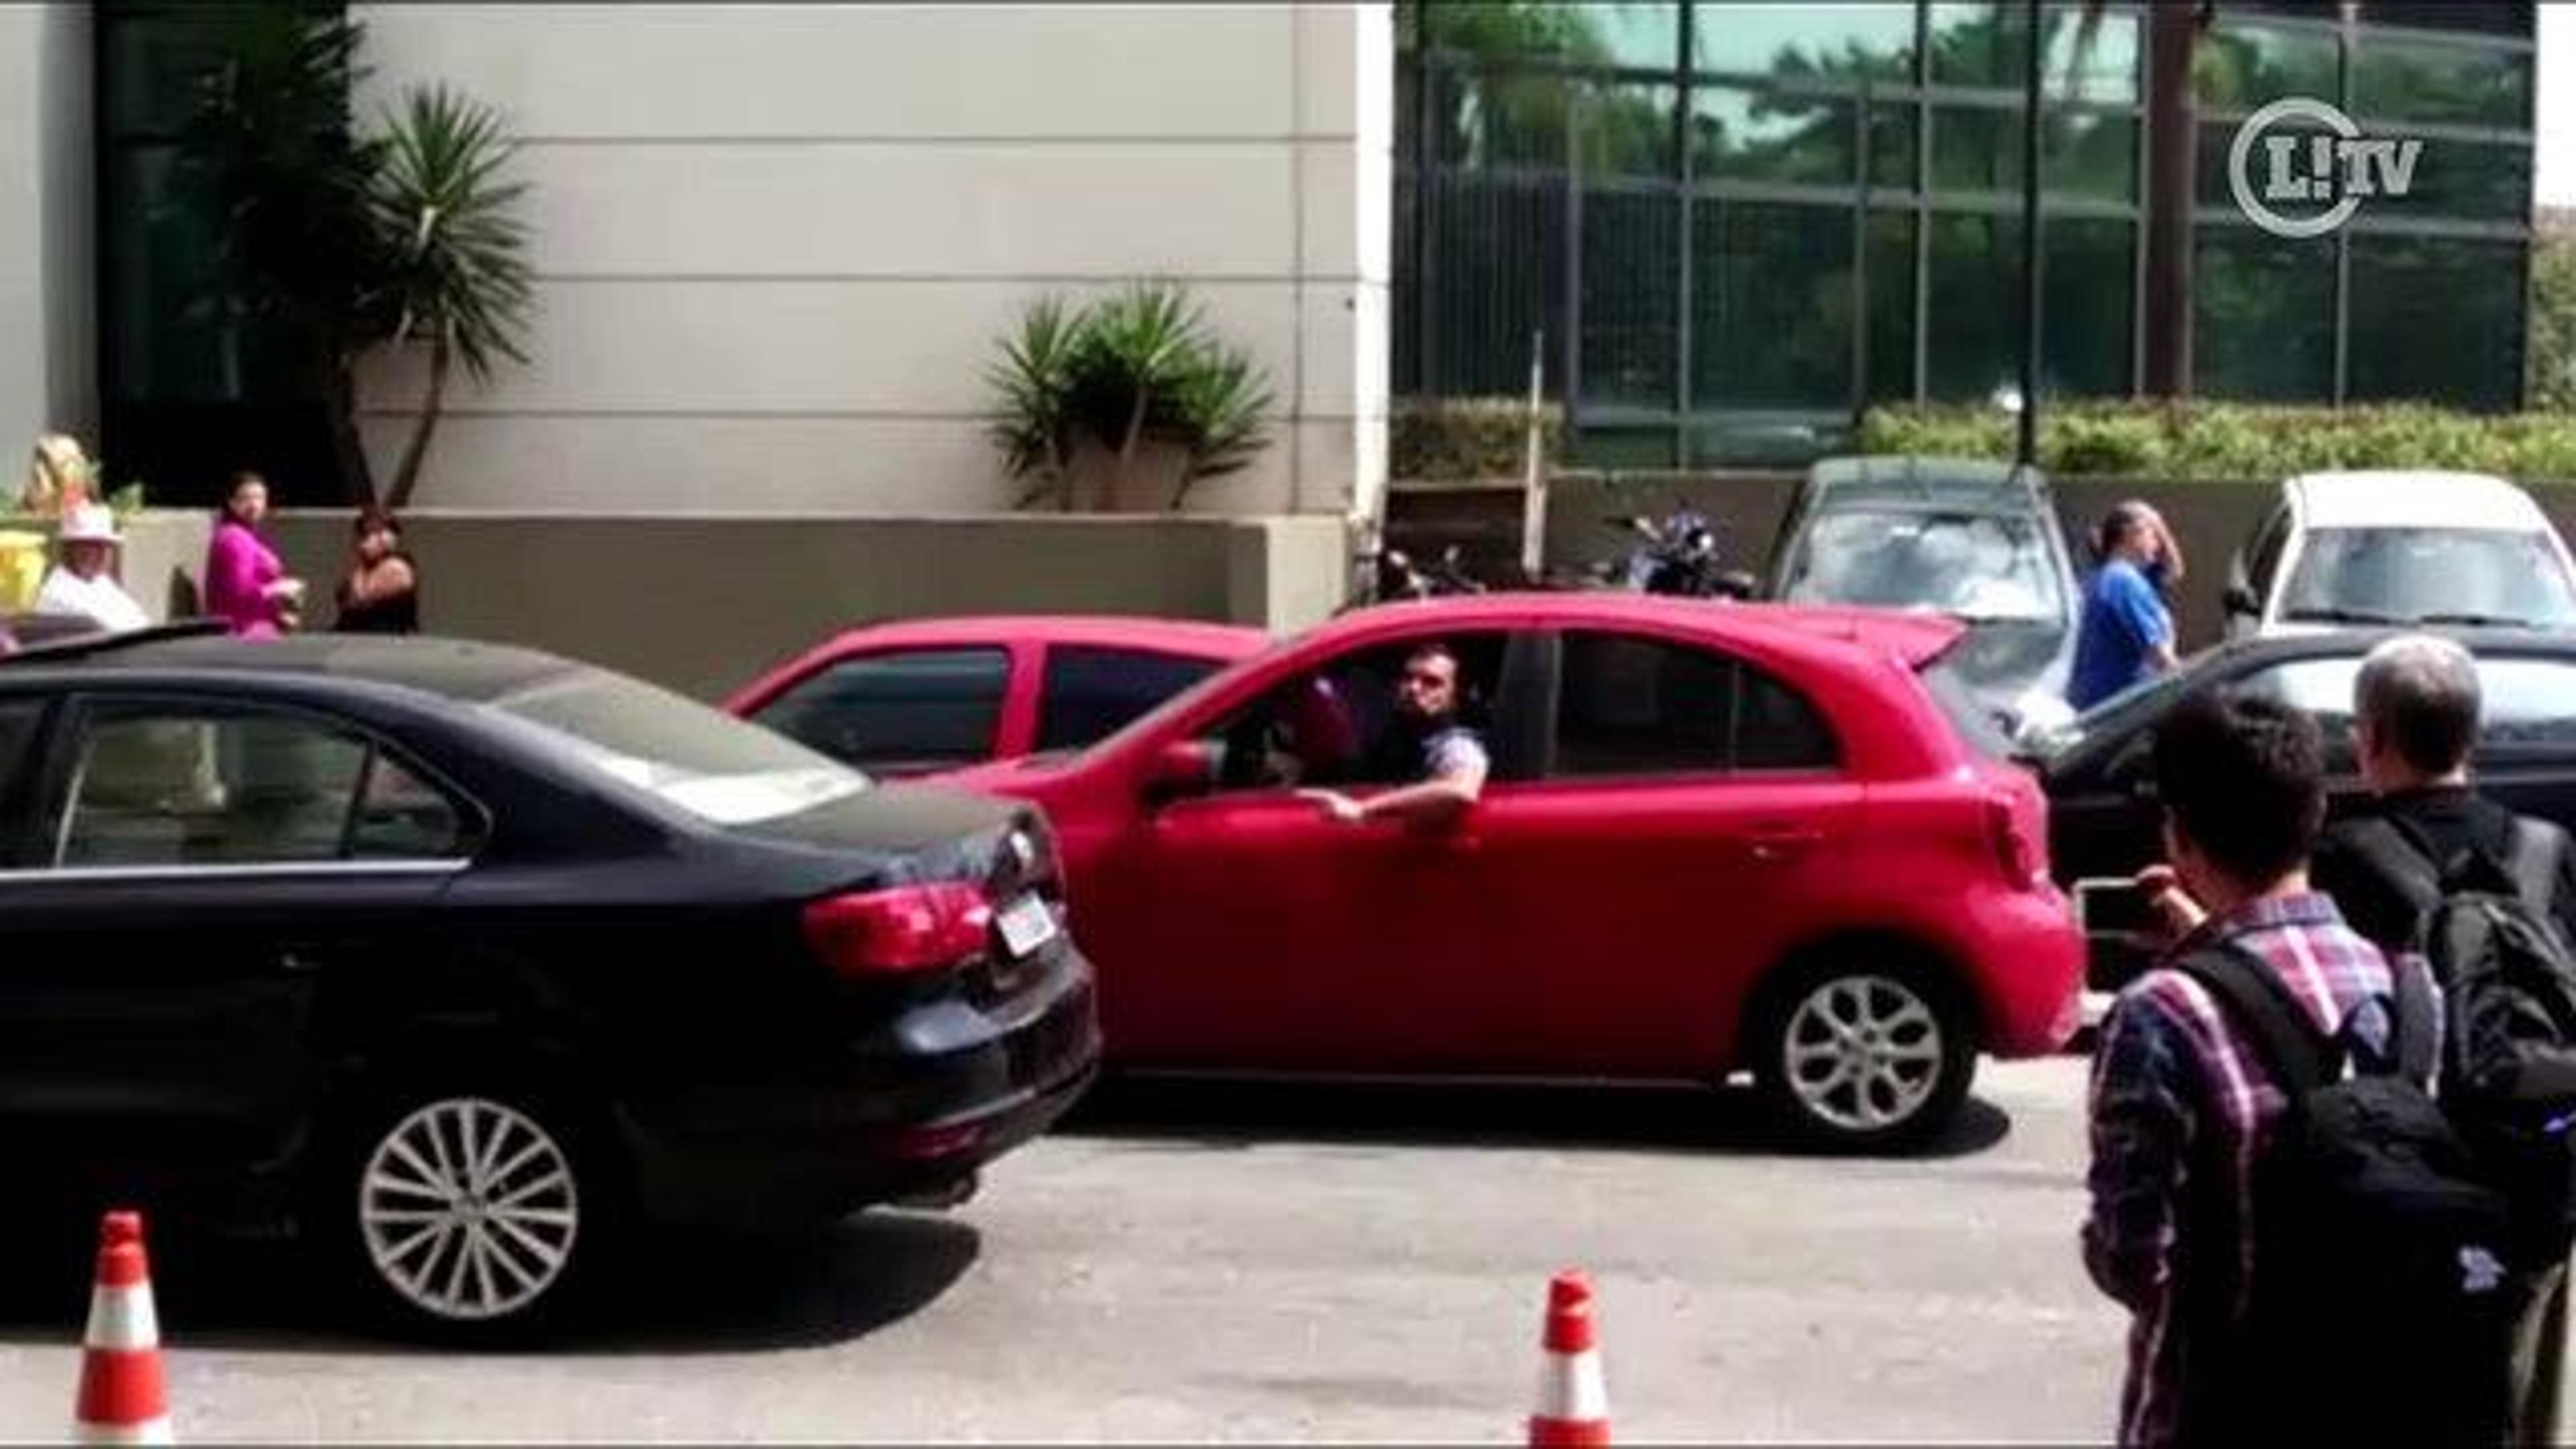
column 2240, row 600
column 1179, row 769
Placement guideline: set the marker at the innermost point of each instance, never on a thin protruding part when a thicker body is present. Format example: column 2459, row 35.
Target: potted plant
column 1124, row 405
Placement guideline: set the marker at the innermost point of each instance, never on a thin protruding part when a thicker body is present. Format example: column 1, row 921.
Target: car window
column 1631, row 705
column 1088, row 694
column 1338, row 724
column 702, row 760
column 20, row 721
column 904, row 710
column 2404, row 575
column 1974, row 565
column 402, row 817
column 153, row 787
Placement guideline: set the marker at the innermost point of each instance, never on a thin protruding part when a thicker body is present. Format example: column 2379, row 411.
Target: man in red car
column 1441, row 763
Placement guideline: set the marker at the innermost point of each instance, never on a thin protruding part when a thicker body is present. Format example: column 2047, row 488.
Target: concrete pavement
column 1229, row 1263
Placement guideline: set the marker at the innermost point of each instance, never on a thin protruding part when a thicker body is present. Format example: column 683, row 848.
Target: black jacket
column 2450, row 820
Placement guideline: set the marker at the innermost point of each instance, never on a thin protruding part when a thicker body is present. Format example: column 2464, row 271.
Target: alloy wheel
column 469, row 1209
column 1863, row 1053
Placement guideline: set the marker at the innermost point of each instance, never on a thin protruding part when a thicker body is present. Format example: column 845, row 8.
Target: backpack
column 2380, row 1248
column 2508, row 1070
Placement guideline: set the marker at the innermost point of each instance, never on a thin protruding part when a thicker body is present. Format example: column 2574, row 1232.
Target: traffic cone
column 1573, row 1406
column 121, row 1396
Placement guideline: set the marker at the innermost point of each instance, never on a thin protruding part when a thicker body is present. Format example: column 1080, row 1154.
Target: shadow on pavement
column 675, row 1293
column 1233, row 1114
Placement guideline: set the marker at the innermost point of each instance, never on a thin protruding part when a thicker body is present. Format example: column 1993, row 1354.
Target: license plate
column 1027, row 924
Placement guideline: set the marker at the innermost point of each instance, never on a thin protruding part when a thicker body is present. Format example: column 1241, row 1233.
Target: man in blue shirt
column 2126, row 633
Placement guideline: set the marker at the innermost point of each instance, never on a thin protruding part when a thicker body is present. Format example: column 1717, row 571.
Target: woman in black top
column 380, row 593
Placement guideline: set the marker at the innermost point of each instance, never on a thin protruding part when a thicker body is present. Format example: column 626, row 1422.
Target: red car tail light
column 904, row 929
column 2023, row 859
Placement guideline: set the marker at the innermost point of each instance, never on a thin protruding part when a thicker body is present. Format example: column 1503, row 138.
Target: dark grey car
column 1977, row 540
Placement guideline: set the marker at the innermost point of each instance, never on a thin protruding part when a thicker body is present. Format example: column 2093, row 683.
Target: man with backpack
column 2304, row 1253
column 2418, row 872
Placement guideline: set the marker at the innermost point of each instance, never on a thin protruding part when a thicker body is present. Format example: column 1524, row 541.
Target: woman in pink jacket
column 246, row 585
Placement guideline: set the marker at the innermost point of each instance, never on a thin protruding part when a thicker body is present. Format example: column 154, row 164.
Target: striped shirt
column 2167, row 1061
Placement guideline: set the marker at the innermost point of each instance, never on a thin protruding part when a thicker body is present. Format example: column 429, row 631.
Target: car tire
column 1863, row 1052
column 468, row 1213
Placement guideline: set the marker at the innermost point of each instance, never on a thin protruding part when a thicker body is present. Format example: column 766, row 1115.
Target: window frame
column 50, row 783
column 1743, row 666
column 1000, row 737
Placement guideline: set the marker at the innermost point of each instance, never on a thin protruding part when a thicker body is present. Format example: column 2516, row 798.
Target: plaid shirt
column 2166, row 1057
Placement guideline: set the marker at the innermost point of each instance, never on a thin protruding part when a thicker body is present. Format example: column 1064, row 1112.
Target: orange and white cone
column 121, row 1396
column 1573, row 1405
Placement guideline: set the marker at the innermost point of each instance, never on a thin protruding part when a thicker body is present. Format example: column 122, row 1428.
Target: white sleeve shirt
column 100, row 600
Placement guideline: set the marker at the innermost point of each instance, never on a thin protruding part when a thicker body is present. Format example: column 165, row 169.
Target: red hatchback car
column 1714, row 839
column 937, row 694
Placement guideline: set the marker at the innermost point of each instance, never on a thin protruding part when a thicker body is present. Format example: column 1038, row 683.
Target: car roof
column 1899, row 480
column 1106, row 631
column 2412, row 498
column 468, row 671
column 1914, row 637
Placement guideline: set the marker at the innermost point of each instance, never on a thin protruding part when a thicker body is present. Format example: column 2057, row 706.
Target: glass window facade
column 195, row 382
column 1735, row 225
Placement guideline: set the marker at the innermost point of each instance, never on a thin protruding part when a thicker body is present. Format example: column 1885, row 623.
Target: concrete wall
column 48, row 372
column 777, row 244
column 706, row 603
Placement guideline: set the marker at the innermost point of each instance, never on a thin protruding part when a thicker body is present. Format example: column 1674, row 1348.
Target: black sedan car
column 1977, row 540
column 2103, row 821
column 461, row 958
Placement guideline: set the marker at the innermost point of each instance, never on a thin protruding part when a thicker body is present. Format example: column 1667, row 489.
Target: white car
column 2398, row 547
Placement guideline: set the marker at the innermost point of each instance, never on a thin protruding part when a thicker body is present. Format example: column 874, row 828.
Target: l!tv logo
column 2300, row 167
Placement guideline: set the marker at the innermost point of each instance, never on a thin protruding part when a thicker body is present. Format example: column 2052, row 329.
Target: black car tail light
column 904, row 929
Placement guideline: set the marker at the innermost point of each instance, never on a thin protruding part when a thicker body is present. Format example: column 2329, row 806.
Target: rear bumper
column 2032, row 959
column 919, row 1103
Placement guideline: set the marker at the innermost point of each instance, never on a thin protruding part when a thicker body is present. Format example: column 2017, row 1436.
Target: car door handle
column 1780, row 842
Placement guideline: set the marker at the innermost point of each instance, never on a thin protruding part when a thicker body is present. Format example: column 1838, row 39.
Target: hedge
column 1467, row 438
column 2240, row 441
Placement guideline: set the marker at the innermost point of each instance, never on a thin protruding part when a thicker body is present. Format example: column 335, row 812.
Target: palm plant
column 455, row 273
column 1033, row 428
column 1136, row 369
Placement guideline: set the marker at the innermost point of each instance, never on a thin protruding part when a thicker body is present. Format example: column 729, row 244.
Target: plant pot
column 1148, row 484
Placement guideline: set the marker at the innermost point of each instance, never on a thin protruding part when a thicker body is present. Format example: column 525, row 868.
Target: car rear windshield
column 706, row 762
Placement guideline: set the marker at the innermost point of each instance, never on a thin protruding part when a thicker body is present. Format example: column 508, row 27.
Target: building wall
column 777, row 245
column 47, row 367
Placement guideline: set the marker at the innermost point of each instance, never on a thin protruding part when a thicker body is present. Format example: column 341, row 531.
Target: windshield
column 1978, row 566
column 2421, row 575
column 706, row 762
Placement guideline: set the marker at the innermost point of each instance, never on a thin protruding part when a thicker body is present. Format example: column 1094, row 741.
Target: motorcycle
column 1678, row 556
column 1399, row 576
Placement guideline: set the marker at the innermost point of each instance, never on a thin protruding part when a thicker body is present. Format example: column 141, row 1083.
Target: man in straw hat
column 83, row 583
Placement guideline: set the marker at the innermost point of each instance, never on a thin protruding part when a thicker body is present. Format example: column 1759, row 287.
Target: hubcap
column 469, row 1209
column 1863, row 1052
